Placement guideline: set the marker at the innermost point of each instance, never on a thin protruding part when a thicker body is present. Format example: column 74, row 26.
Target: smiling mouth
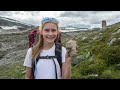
column 48, row 37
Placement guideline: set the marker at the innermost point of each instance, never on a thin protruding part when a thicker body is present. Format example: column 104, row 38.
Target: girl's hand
column 68, row 54
column 69, row 50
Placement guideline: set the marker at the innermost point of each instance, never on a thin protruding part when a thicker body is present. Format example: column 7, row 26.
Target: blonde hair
column 39, row 45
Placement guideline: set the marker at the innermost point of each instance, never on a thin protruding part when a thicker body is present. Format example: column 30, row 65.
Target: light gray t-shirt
column 45, row 68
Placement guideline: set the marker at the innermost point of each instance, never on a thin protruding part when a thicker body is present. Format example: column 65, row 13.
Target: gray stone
column 118, row 31
column 78, row 59
column 111, row 41
column 88, row 55
column 72, row 44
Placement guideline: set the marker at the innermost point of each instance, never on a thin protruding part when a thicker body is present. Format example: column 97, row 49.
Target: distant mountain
column 95, row 48
column 75, row 27
column 115, row 25
column 8, row 23
column 79, row 26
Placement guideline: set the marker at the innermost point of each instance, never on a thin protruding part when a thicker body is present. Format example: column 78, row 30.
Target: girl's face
column 49, row 32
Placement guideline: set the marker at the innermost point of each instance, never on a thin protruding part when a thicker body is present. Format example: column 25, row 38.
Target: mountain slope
column 8, row 22
column 98, row 54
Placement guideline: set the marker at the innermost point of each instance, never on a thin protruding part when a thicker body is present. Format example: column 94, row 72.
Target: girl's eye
column 47, row 30
column 53, row 30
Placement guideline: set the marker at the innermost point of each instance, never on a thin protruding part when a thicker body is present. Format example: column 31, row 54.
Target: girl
column 45, row 68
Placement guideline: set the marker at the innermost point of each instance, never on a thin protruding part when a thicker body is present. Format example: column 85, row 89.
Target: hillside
column 98, row 54
column 8, row 23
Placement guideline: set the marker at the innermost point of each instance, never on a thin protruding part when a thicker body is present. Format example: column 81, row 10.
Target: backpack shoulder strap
column 33, row 63
column 58, row 53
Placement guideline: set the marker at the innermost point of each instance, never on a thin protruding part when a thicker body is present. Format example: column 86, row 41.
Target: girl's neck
column 47, row 46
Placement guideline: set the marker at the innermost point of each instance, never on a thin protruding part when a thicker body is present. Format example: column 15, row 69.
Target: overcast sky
column 88, row 18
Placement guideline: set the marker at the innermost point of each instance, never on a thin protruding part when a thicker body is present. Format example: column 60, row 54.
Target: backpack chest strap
column 46, row 57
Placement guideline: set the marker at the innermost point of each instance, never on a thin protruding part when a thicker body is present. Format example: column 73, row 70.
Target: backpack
column 33, row 37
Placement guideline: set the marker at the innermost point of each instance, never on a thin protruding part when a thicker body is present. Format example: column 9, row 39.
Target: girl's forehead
column 50, row 26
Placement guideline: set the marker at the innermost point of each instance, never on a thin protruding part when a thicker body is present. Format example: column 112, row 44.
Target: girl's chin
column 50, row 41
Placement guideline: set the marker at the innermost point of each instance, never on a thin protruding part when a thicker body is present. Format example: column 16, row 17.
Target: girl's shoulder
column 63, row 48
column 29, row 50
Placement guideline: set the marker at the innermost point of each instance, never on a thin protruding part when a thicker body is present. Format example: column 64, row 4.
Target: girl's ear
column 40, row 32
column 59, row 32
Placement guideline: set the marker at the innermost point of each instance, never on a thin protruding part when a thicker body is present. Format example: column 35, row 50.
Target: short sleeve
column 27, row 61
column 63, row 54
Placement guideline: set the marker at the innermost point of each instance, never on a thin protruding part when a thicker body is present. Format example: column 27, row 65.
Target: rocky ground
column 13, row 47
column 85, row 64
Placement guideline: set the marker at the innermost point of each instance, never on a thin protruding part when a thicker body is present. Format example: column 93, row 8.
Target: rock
column 88, row 55
column 24, row 72
column 95, row 38
column 78, row 59
column 72, row 44
column 92, row 76
column 0, row 27
column 118, row 31
column 13, row 57
column 100, row 34
column 95, row 75
column 111, row 42
column 83, row 38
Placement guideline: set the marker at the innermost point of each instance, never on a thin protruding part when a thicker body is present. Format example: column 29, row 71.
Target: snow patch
column 8, row 27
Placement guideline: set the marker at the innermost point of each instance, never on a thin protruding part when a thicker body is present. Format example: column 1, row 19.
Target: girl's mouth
column 50, row 37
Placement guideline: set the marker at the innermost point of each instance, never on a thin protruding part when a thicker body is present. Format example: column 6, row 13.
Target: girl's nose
column 50, row 33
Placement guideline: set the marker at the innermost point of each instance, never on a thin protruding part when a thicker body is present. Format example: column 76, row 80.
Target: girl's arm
column 28, row 74
column 66, row 67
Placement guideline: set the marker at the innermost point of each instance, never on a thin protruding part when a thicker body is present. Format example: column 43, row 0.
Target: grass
column 12, row 71
column 15, row 71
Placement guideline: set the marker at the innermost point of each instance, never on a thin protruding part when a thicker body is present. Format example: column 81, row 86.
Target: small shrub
column 117, row 67
column 92, row 67
column 111, row 55
column 107, row 74
column 110, row 74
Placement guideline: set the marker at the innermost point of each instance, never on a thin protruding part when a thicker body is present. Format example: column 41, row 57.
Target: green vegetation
column 12, row 71
column 96, row 58
column 105, row 59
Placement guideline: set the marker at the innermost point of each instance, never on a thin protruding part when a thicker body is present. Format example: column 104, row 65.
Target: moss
column 110, row 74
column 111, row 55
column 12, row 71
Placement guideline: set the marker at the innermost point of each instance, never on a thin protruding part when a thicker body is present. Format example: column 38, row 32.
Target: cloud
column 5, row 13
column 65, row 17
column 92, row 17
column 81, row 14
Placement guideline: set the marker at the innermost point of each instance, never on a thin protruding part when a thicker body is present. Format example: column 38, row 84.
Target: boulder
column 118, row 31
column 78, row 60
column 111, row 41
